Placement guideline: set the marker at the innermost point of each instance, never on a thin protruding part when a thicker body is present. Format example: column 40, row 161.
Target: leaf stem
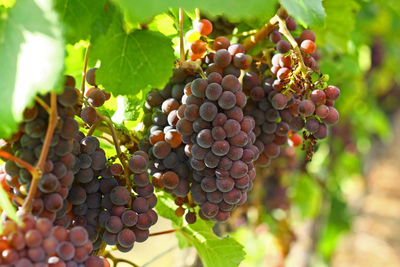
column 43, row 154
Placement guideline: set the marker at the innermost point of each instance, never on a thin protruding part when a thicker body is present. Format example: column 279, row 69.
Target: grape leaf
column 213, row 250
column 339, row 23
column 164, row 23
column 79, row 17
column 307, row 12
column 132, row 62
column 32, row 54
column 143, row 11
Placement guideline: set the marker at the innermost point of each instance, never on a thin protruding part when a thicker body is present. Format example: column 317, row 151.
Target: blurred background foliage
column 359, row 47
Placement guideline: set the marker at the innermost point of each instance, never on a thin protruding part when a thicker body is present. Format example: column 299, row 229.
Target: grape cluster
column 126, row 218
column 168, row 163
column 103, row 205
column 219, row 138
column 59, row 169
column 95, row 97
column 39, row 243
column 79, row 189
column 286, row 103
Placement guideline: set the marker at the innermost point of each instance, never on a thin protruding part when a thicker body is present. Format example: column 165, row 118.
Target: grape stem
column 181, row 44
column 93, row 127
column 53, row 118
column 163, row 232
column 43, row 104
column 84, row 73
column 106, row 139
column 120, row 155
column 118, row 260
column 284, row 30
column 192, row 66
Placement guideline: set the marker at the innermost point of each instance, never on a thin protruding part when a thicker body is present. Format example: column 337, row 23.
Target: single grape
column 96, row 98
column 170, row 180
column 208, row 111
column 306, row 107
column 221, row 43
column 204, row 26
column 318, row 97
column 213, row 91
column 120, row 195
column 91, row 76
column 275, row 36
column 222, row 58
column 198, row 47
column 283, row 46
column 332, row 92
column 307, row 35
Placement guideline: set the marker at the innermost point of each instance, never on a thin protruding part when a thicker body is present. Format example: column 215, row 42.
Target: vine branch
column 261, row 34
column 163, row 232
column 45, row 150
column 26, row 165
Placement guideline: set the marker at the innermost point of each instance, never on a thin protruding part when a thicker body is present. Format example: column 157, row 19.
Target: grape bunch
column 102, row 203
column 79, row 188
column 288, row 102
column 311, row 102
column 40, row 243
column 126, row 218
column 168, row 163
column 219, row 138
column 58, row 174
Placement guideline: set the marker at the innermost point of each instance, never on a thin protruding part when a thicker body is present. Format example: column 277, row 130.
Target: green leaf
column 7, row 206
column 143, row 11
column 132, row 62
column 307, row 12
column 129, row 108
column 32, row 55
column 7, row 3
column 79, row 17
column 339, row 23
column 165, row 24
column 213, row 250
